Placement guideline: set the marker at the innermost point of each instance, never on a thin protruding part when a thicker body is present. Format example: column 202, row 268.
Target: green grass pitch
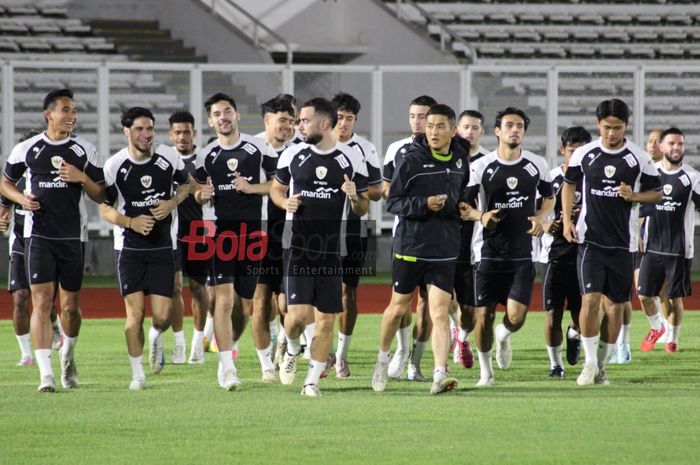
column 650, row 414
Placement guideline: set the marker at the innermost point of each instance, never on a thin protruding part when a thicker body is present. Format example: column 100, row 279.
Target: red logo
column 203, row 242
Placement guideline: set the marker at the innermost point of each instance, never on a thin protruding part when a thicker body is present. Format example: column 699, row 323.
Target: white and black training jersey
column 318, row 225
column 670, row 228
column 62, row 213
column 481, row 152
column 555, row 248
column 467, row 227
column 374, row 177
column 512, row 187
column 252, row 158
column 189, row 210
column 275, row 215
column 394, row 155
column 134, row 187
column 606, row 219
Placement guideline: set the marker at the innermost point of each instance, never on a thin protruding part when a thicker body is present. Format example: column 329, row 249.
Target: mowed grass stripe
column 183, row 417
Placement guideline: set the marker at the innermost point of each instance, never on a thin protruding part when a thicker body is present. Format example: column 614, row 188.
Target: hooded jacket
column 422, row 234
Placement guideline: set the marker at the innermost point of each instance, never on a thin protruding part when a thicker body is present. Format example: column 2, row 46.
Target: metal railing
column 553, row 97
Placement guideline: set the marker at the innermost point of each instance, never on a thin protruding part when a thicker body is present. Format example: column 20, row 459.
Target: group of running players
column 272, row 225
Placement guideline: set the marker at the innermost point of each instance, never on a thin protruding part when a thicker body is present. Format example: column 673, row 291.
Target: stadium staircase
column 46, row 33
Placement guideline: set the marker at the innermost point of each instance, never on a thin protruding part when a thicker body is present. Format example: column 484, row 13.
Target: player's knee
column 485, row 317
column 20, row 299
column 71, row 309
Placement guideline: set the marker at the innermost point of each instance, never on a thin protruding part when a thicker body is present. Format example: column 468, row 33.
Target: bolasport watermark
column 283, row 248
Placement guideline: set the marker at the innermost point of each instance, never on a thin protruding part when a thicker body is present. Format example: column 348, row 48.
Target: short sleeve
column 283, row 175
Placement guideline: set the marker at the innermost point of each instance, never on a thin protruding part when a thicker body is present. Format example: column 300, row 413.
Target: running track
column 107, row 303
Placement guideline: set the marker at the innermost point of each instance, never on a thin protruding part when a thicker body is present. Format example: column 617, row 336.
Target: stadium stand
column 575, row 32
column 46, row 33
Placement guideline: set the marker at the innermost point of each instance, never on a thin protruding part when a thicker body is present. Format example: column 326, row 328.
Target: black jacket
column 421, row 233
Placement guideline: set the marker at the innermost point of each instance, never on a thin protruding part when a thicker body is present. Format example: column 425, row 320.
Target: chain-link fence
column 553, row 97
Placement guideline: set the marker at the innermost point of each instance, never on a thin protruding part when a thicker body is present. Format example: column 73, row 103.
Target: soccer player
column 616, row 174
column 62, row 168
column 182, row 135
column 17, row 284
column 506, row 183
column 426, row 190
column 668, row 241
column 470, row 126
column 559, row 287
column 622, row 353
column 139, row 204
column 417, row 115
column 320, row 176
column 278, row 117
column 356, row 228
column 235, row 170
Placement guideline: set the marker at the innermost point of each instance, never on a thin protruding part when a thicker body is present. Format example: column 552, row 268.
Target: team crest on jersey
column 577, row 197
column 668, row 189
column 232, row 163
column 56, row 161
column 512, row 182
column 459, row 163
column 609, row 171
column 321, row 172
column 146, row 181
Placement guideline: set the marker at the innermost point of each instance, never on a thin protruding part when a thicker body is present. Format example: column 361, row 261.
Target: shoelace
column 290, row 366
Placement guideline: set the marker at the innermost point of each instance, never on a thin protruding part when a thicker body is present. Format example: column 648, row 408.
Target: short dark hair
column 423, row 100
column 511, row 111
column 669, row 131
column 128, row 116
column 346, row 102
column 277, row 104
column 217, row 97
column 287, row 98
column 575, row 135
column 181, row 117
column 54, row 95
column 444, row 110
column 472, row 114
column 325, row 108
column 615, row 108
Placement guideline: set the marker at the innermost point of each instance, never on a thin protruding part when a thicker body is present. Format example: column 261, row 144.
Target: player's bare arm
column 625, row 191
column 539, row 221
column 142, row 224
column 386, row 185
column 243, row 186
column 5, row 217
column 568, row 191
column 375, row 191
column 278, row 194
column 359, row 201
column 163, row 208
column 9, row 190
